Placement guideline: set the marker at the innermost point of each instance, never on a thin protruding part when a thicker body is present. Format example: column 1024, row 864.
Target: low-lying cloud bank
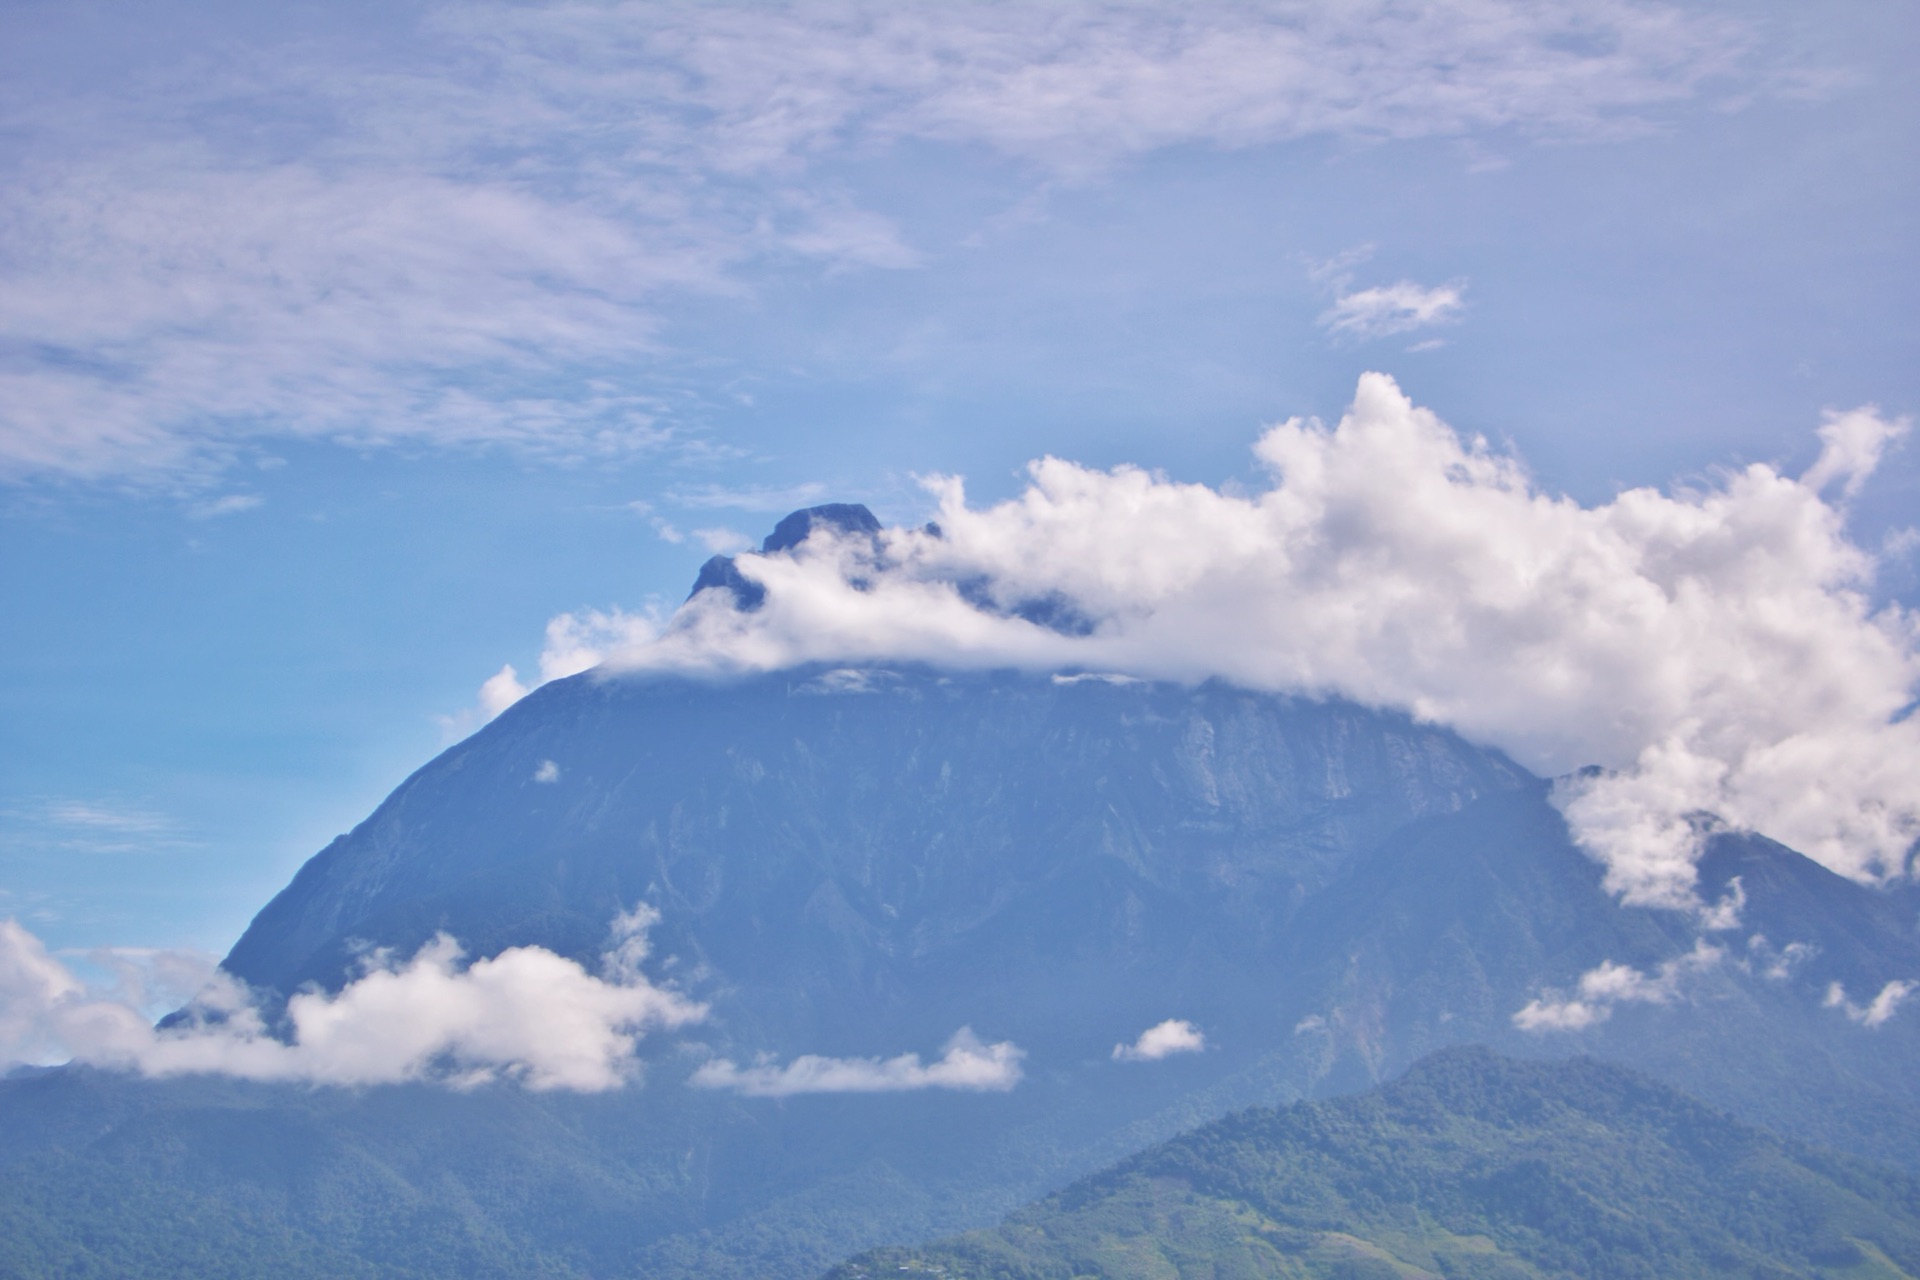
column 966, row 1063
column 1713, row 649
column 525, row 1015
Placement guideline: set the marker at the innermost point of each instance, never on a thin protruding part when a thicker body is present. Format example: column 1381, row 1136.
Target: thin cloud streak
column 1385, row 310
column 966, row 1063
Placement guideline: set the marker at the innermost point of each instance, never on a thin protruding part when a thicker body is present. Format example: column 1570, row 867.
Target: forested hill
column 1470, row 1165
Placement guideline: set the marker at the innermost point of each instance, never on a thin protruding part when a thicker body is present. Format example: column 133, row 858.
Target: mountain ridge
column 1469, row 1164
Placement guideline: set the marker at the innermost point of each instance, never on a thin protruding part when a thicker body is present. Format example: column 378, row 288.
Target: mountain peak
column 840, row 517
column 794, row 529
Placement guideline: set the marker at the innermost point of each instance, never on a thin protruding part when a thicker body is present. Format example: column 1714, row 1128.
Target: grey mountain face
column 859, row 862
column 876, row 853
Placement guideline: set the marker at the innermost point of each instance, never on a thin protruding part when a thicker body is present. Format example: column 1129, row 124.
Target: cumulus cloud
column 1724, row 915
column 1876, row 1011
column 1713, row 652
column 1384, row 310
column 1850, row 448
column 1161, row 1040
column 469, row 238
column 547, row 772
column 966, row 1063
column 501, row 690
column 575, row 642
column 579, row 641
column 525, row 1015
column 1776, row 964
column 1601, row 989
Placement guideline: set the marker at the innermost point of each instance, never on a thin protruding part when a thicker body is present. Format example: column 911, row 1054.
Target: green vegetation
column 1471, row 1166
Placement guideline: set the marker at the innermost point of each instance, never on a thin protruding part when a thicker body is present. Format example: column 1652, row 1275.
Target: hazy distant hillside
column 1469, row 1166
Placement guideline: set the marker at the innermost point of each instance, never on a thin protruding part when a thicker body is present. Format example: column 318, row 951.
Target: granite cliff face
column 846, row 849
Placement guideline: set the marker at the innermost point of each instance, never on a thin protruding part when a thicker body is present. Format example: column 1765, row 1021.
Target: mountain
column 858, row 862
column 854, row 848
column 1470, row 1165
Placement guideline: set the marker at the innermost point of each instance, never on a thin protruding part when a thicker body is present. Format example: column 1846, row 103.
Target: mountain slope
column 1441, row 934
column 917, row 840
column 1469, row 1165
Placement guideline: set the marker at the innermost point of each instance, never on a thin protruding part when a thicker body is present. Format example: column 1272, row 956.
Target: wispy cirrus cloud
column 1384, row 310
column 472, row 239
column 93, row 825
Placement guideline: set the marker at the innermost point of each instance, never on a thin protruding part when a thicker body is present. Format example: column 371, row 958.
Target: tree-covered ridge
column 1470, row 1165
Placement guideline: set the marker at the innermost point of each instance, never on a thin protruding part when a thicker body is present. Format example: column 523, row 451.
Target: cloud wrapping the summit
column 1712, row 649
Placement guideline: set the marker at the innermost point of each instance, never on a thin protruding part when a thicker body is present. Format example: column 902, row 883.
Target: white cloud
column 501, row 690
column 575, row 642
column 525, row 1015
column 1850, row 448
column 1777, row 964
column 1173, row 1036
column 1611, row 984
column 582, row 640
column 1879, row 1009
column 451, row 228
column 722, row 541
column 1384, row 310
column 965, row 1063
column 1725, row 914
column 1713, row 650
column 547, row 772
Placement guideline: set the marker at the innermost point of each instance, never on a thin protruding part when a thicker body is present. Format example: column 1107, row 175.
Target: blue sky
column 342, row 347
